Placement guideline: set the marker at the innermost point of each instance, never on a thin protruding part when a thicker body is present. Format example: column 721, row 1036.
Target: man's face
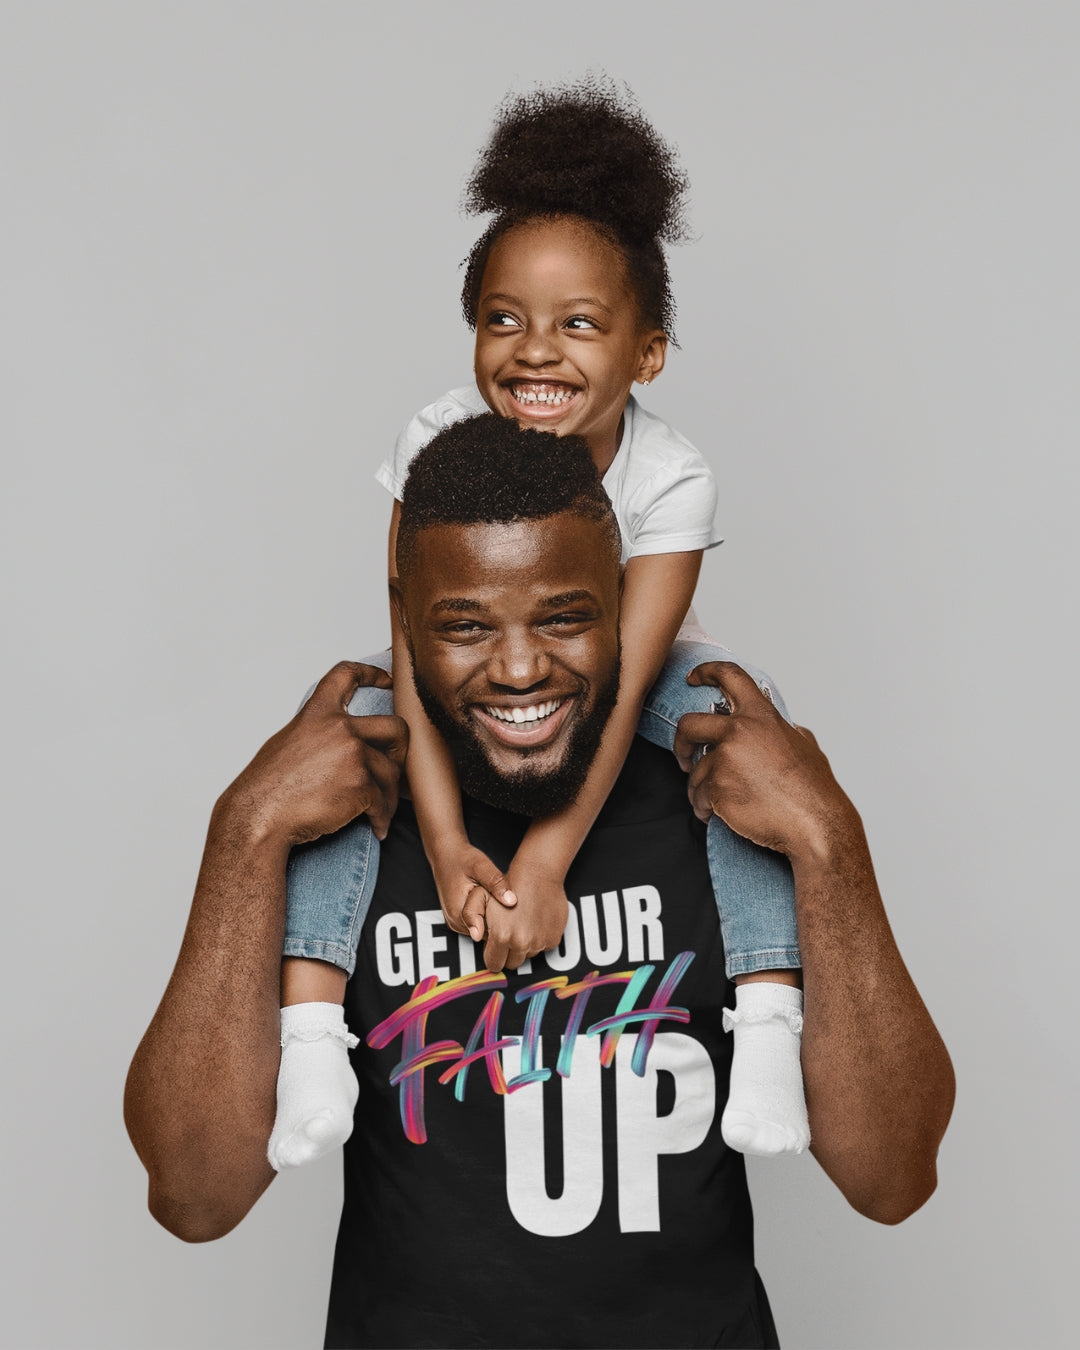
column 514, row 637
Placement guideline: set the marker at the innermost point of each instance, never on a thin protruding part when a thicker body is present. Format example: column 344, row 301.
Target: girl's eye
column 501, row 320
column 580, row 321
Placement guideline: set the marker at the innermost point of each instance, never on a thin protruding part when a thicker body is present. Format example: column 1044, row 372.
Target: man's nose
column 518, row 662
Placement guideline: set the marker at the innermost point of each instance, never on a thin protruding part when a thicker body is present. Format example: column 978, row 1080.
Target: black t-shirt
column 537, row 1158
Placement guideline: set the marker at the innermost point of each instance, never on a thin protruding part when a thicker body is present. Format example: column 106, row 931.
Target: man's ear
column 397, row 604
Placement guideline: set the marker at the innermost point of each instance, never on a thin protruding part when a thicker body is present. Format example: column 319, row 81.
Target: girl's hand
column 535, row 925
column 466, row 879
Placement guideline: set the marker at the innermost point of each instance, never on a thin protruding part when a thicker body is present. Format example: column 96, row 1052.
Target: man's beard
column 525, row 791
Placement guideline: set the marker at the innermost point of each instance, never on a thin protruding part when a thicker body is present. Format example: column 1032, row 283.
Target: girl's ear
column 653, row 353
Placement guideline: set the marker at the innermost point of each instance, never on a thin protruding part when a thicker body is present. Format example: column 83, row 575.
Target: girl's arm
column 459, row 869
column 657, row 592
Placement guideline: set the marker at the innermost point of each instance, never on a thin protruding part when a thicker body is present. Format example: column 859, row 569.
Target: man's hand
column 765, row 778
column 325, row 767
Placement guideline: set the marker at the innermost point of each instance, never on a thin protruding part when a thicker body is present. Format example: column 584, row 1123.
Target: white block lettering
column 393, row 950
column 466, row 954
column 428, row 945
column 600, row 953
column 642, row 905
column 582, row 1147
column 643, row 1135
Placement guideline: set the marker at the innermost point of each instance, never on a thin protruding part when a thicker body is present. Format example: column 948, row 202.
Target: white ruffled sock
column 316, row 1086
column 766, row 1108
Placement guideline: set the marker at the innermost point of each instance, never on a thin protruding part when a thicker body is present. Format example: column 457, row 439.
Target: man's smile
column 524, row 725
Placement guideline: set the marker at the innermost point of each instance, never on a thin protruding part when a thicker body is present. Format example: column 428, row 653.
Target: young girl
column 569, row 296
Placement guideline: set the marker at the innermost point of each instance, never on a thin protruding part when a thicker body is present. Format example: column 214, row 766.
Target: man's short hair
column 487, row 470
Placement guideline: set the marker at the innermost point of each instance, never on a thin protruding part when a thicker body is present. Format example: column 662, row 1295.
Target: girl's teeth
column 549, row 396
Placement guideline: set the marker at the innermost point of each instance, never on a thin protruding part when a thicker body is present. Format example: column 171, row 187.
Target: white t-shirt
column 663, row 492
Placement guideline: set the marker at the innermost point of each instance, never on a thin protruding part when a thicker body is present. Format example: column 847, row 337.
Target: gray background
column 229, row 273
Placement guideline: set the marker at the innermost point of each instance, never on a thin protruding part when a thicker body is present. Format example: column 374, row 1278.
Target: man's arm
column 200, row 1098
column 879, row 1083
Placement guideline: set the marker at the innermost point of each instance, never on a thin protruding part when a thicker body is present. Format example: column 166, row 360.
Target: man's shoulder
column 650, row 786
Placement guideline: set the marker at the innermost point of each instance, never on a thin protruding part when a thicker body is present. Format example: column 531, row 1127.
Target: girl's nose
column 537, row 347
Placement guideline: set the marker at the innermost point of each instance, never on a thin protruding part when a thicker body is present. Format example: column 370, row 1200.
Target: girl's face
column 559, row 337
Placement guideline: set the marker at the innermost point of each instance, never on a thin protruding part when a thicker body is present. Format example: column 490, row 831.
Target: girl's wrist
column 544, row 862
column 447, row 844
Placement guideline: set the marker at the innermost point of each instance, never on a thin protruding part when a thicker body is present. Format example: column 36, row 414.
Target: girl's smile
column 559, row 337
column 541, row 399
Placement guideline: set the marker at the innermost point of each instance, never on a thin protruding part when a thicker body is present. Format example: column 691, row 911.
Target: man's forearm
column 200, row 1095
column 200, row 1098
column 879, row 1083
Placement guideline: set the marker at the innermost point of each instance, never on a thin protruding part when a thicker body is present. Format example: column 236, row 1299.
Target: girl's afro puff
column 583, row 149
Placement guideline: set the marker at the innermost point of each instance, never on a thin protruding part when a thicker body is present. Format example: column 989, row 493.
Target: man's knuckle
column 363, row 779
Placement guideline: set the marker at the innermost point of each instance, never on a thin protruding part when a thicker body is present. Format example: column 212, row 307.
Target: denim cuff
column 772, row 958
column 313, row 949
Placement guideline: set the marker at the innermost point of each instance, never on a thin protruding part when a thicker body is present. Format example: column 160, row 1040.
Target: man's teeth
column 543, row 393
column 535, row 713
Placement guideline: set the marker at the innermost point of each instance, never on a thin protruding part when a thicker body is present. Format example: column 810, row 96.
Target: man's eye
column 568, row 620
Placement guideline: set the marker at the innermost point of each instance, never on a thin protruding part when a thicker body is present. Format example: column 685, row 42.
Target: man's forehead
column 561, row 553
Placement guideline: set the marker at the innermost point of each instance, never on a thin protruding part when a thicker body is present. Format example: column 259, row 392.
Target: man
column 537, row 1157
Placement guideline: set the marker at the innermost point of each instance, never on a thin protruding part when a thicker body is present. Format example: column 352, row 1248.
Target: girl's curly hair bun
column 584, row 149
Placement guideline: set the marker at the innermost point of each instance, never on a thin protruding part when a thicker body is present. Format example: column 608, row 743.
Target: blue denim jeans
column 754, row 887
column 330, row 881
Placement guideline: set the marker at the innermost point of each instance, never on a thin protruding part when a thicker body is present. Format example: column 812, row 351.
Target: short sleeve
column 675, row 511
column 662, row 489
column 428, row 422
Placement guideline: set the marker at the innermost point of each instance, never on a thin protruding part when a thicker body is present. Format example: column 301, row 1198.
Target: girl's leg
column 755, row 897
column 329, row 884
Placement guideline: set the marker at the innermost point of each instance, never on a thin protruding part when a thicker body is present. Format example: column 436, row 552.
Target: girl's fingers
column 486, row 874
column 496, row 950
column 515, row 957
column 473, row 913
